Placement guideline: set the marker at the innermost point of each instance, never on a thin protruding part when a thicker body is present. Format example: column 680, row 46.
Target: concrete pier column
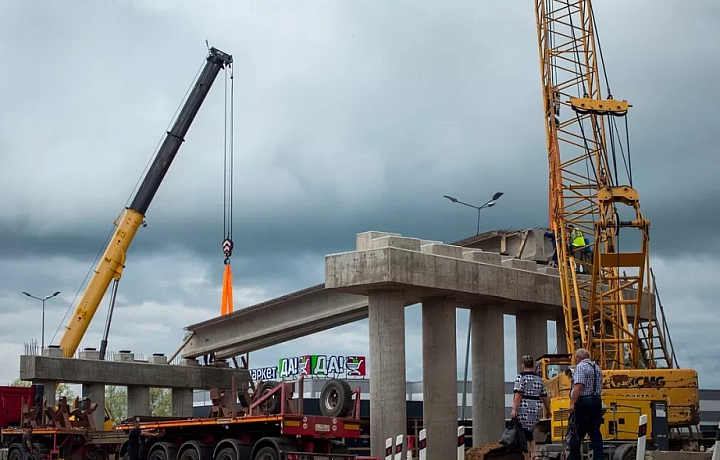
column 386, row 324
column 560, row 337
column 439, row 346
column 182, row 402
column 488, row 373
column 530, row 334
column 96, row 393
column 138, row 401
column 49, row 390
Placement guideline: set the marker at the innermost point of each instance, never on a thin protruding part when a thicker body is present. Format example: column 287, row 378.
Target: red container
column 11, row 399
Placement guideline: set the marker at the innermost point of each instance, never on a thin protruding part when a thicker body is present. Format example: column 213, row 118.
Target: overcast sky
column 349, row 116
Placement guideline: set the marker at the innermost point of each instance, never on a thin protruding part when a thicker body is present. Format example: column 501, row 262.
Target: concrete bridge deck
column 384, row 274
column 471, row 276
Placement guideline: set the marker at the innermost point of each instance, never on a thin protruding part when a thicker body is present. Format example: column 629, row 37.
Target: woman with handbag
column 529, row 392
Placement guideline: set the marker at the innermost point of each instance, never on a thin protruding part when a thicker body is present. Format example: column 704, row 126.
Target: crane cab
column 556, row 371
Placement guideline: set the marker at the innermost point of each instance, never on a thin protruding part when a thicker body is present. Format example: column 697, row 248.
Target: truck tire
column 625, row 452
column 14, row 452
column 335, row 398
column 270, row 406
column 267, row 453
column 336, row 447
column 189, row 454
column 228, row 453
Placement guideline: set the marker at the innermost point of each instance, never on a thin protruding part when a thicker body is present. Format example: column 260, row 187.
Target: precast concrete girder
column 276, row 321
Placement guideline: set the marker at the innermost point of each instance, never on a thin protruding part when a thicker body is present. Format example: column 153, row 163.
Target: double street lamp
column 489, row 204
column 42, row 299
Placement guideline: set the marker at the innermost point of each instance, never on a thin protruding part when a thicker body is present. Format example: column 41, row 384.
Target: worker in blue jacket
column 551, row 235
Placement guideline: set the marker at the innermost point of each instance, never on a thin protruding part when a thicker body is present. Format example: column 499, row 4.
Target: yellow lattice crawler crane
column 601, row 278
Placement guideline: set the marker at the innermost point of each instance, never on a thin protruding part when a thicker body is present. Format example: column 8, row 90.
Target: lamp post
column 42, row 299
column 489, row 204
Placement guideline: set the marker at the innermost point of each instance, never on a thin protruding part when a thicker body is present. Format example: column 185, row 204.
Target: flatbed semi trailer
column 285, row 435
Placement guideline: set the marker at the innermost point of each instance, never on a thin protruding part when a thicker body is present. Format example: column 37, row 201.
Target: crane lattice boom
column 583, row 141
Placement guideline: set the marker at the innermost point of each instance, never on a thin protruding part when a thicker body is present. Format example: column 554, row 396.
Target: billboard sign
column 313, row 366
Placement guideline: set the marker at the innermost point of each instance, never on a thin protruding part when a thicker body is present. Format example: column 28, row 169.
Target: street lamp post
column 489, row 204
column 42, row 299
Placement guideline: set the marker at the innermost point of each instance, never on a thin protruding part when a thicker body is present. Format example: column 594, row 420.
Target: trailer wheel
column 158, row 454
column 336, row 447
column 271, row 405
column 335, row 398
column 227, row 453
column 14, row 452
column 189, row 454
column 266, row 453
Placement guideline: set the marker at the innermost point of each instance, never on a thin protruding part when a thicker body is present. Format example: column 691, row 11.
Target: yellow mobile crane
column 111, row 264
column 609, row 309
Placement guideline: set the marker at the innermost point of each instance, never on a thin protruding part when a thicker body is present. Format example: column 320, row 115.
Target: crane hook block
column 227, row 247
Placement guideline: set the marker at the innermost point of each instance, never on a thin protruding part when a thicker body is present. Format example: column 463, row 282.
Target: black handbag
column 514, row 437
column 572, row 439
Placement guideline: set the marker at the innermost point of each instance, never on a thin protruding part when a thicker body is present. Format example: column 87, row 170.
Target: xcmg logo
column 645, row 381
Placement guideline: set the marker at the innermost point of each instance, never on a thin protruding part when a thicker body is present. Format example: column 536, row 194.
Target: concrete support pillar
column 560, row 337
column 439, row 346
column 138, row 401
column 530, row 334
column 488, row 373
column 49, row 390
column 182, row 402
column 96, row 393
column 386, row 321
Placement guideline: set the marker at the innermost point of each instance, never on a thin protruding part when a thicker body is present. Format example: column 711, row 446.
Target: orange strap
column 226, row 303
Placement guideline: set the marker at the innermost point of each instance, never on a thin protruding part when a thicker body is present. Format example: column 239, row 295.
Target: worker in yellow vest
column 577, row 243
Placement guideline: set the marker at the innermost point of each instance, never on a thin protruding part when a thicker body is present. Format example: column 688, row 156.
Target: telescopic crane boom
column 111, row 264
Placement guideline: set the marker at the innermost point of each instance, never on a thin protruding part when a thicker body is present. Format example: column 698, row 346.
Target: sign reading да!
column 313, row 366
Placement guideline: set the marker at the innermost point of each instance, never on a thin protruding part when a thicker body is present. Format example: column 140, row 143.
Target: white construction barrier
column 389, row 449
column 398, row 447
column 642, row 438
column 394, row 451
column 716, row 448
column 461, row 443
column 422, row 446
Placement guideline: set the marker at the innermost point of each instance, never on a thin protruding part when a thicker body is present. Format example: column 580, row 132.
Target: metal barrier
column 393, row 450
column 642, row 438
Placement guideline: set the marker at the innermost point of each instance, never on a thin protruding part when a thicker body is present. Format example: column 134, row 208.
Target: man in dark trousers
column 27, row 447
column 134, row 441
column 586, row 403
